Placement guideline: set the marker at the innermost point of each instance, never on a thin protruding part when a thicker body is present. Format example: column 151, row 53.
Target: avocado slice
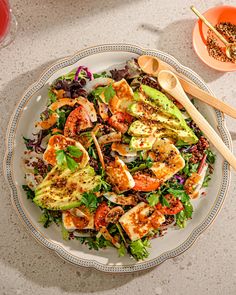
column 139, row 128
column 158, row 130
column 141, row 110
column 162, row 104
column 142, row 143
column 63, row 189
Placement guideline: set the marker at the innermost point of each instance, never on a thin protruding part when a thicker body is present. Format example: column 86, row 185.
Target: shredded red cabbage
column 35, row 144
column 85, row 72
column 181, row 179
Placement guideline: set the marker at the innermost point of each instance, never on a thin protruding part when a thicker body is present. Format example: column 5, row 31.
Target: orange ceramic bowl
column 214, row 15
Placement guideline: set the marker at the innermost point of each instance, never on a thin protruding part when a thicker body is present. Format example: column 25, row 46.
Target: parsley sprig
column 108, row 92
column 64, row 157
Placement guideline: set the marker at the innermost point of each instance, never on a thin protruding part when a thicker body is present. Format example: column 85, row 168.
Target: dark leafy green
column 29, row 192
column 74, row 151
column 153, row 199
column 90, row 201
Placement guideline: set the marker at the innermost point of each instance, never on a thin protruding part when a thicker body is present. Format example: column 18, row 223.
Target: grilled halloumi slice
column 60, row 142
column 120, row 176
column 140, row 220
column 123, row 98
column 167, row 159
column 123, row 149
column 77, row 218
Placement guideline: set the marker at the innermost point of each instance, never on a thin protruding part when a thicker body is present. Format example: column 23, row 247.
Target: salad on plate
column 115, row 161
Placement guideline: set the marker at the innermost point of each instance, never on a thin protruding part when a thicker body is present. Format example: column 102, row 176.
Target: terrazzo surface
column 49, row 30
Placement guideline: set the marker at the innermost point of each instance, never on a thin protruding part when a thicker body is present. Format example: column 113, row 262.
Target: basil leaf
column 74, row 151
column 71, row 163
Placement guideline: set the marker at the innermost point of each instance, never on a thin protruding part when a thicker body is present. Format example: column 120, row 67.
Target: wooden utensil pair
column 176, row 84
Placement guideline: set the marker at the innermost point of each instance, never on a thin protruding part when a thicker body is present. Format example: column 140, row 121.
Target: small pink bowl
column 215, row 15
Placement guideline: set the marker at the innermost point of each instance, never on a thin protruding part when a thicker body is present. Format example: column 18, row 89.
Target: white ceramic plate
column 33, row 102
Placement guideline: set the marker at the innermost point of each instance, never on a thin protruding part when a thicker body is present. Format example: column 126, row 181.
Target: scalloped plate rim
column 53, row 245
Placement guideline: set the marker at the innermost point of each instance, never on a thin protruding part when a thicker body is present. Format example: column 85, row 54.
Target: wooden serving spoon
column 152, row 66
column 171, row 84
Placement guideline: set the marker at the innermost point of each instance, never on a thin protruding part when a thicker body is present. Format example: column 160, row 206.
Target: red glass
column 4, row 18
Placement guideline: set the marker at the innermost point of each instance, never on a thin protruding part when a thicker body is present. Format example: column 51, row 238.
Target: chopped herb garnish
column 90, row 201
column 210, row 157
column 71, row 163
column 164, row 202
column 109, row 93
column 26, row 141
column 122, row 250
column 139, row 249
column 61, row 158
column 74, row 151
column 29, row 192
column 153, row 199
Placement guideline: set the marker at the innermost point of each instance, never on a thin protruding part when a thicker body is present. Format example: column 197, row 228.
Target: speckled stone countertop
column 49, row 30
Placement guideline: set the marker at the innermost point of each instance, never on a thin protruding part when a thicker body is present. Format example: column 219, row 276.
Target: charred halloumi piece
column 140, row 220
column 123, row 98
column 77, row 218
column 60, row 142
column 120, row 176
column 123, row 149
column 167, row 160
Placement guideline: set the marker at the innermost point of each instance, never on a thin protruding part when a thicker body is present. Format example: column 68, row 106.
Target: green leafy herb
column 61, row 120
column 100, row 75
column 210, row 156
column 153, row 199
column 122, row 250
column 181, row 219
column 138, row 249
column 61, row 158
column 70, row 76
column 49, row 216
column 90, row 201
column 74, row 151
column 189, row 167
column 71, row 163
column 94, row 242
column 51, row 97
column 36, row 170
column 184, row 215
column 92, row 153
column 188, row 209
column 29, row 192
column 164, row 202
column 206, row 180
column 65, row 233
column 147, row 164
column 109, row 92
column 98, row 91
column 180, row 194
column 65, row 160
column 26, row 141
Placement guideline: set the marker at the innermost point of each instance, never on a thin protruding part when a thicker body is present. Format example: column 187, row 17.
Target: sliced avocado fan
column 63, row 189
column 167, row 113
